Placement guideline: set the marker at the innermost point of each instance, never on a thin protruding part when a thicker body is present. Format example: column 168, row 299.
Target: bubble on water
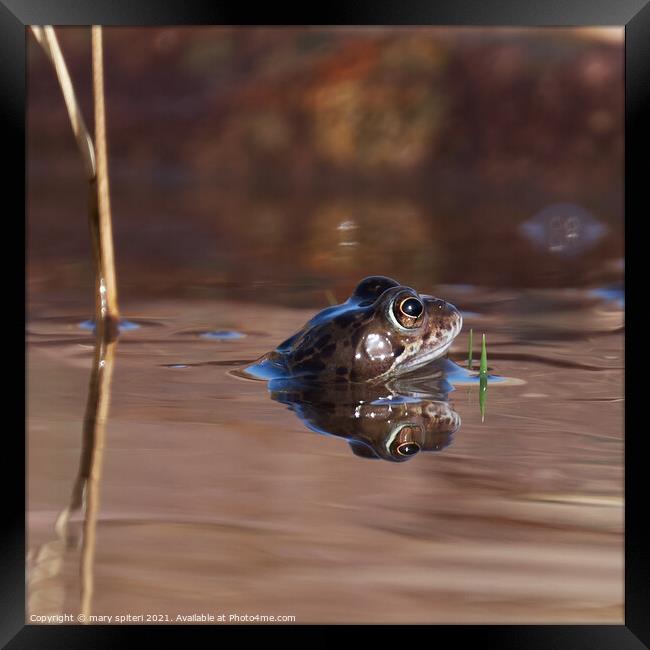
column 222, row 335
column 563, row 229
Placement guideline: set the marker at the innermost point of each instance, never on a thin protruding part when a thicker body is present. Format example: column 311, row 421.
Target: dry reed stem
column 99, row 215
column 108, row 282
column 87, row 485
column 46, row 37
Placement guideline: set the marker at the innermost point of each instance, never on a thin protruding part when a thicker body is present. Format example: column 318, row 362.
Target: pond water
column 213, row 495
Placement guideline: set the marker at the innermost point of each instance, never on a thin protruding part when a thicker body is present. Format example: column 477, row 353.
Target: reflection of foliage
column 266, row 131
column 528, row 104
column 289, row 103
column 367, row 124
column 377, row 104
column 202, row 56
column 359, row 237
column 239, row 151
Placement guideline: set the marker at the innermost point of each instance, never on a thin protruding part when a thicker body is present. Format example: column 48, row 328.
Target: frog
column 383, row 330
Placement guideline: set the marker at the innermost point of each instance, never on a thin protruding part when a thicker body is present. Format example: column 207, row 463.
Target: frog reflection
column 389, row 422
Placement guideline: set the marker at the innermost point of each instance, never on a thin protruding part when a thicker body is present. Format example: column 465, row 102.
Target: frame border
column 634, row 15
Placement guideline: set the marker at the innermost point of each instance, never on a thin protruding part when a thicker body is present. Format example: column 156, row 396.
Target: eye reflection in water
column 393, row 421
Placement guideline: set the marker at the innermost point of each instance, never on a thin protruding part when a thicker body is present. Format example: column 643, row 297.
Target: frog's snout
column 445, row 318
column 456, row 318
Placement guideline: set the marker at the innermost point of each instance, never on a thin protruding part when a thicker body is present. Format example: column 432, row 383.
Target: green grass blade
column 483, row 366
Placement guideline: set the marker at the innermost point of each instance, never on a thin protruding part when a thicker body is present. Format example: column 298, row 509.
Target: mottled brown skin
column 362, row 341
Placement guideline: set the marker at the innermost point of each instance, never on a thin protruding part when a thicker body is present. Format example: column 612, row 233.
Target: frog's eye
column 411, row 307
column 408, row 311
column 408, row 448
column 406, row 442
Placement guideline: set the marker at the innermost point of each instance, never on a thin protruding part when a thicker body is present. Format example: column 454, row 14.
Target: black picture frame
column 634, row 15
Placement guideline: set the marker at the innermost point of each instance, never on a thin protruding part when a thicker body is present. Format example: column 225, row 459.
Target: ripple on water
column 222, row 335
column 613, row 294
column 124, row 325
column 457, row 375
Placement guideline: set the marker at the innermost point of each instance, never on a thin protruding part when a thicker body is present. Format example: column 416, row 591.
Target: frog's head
column 400, row 331
column 383, row 330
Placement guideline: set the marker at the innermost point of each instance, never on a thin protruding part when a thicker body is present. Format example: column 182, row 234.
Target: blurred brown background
column 305, row 158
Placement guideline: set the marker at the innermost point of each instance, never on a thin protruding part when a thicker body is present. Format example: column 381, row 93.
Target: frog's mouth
column 435, row 346
column 420, row 360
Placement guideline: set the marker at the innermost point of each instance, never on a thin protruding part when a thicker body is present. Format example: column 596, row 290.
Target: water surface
column 214, row 497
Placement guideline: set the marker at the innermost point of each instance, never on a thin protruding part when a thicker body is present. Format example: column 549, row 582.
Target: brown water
column 213, row 498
